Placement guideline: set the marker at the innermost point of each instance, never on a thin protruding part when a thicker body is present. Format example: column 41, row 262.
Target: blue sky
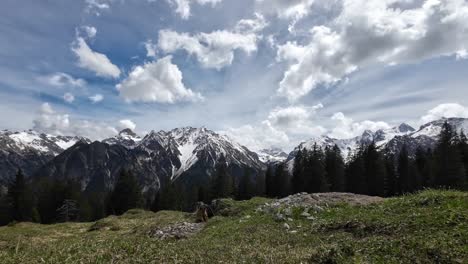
column 265, row 72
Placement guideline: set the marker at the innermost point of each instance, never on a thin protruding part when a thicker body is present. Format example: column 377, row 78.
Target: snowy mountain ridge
column 391, row 140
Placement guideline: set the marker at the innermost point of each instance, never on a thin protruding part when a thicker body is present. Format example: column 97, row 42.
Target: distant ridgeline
column 74, row 179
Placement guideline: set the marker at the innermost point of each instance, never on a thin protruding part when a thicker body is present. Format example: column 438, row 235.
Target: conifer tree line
column 368, row 171
column 372, row 171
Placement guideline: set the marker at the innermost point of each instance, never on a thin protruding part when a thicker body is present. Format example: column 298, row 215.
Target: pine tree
column 269, row 182
column 463, row 147
column 260, row 185
column 335, row 169
column 222, row 183
column 356, row 181
column 280, row 182
column 298, row 181
column 126, row 194
column 390, row 183
column 374, row 170
column 404, row 172
column 423, row 163
column 21, row 199
column 245, row 189
column 315, row 171
column 69, row 211
column 449, row 168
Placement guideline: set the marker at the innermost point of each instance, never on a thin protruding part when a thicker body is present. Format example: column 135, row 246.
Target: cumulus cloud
column 367, row 33
column 183, row 6
column 126, row 123
column 69, row 98
column 254, row 25
column 61, row 79
column 288, row 9
column 94, row 61
column 212, row 50
column 283, row 128
column 445, row 111
column 159, row 81
column 51, row 122
column 96, row 6
column 296, row 120
column 96, row 98
column 150, row 49
column 259, row 137
column 347, row 128
column 90, row 31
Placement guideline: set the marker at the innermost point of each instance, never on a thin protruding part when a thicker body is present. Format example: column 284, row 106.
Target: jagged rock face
column 96, row 166
column 126, row 138
column 425, row 137
column 186, row 155
column 28, row 151
column 194, row 153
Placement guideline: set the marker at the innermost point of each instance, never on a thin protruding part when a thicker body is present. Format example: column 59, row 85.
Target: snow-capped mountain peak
column 126, row 138
column 272, row 155
column 31, row 140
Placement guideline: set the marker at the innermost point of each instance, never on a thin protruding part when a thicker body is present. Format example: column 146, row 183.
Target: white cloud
column 150, row 49
column 212, row 50
column 445, row 111
column 126, row 123
column 69, row 98
column 159, row 81
column 251, row 25
column 90, row 31
column 94, row 61
column 259, row 137
column 346, row 127
column 287, row 9
column 51, row 122
column 96, row 98
column 368, row 33
column 61, row 79
column 95, row 6
column 283, row 128
column 183, row 6
column 296, row 120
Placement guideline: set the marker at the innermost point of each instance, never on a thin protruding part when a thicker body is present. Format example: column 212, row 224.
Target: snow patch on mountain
column 272, row 155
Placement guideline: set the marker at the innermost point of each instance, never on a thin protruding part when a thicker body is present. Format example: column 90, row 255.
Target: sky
column 268, row 73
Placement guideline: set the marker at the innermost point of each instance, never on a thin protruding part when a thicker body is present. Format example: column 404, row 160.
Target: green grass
column 428, row 227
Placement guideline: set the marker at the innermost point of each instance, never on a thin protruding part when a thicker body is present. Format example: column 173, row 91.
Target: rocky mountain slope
column 186, row 154
column 29, row 150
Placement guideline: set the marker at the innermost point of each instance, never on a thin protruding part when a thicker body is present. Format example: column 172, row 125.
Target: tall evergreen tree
column 449, row 168
column 245, row 189
column 222, row 183
column 269, row 182
column 375, row 172
column 315, row 171
column 390, row 183
column 21, row 199
column 335, row 169
column 260, row 185
column 423, row 163
column 126, row 194
column 280, row 182
column 298, row 180
column 463, row 147
column 356, row 181
column 404, row 172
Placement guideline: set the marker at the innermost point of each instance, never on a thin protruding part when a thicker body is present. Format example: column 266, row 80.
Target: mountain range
column 188, row 155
